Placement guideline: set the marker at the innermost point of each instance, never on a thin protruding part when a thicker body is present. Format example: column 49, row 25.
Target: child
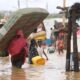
column 41, row 48
column 60, row 44
column 32, row 50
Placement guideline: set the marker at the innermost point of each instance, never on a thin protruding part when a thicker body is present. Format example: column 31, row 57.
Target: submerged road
column 54, row 69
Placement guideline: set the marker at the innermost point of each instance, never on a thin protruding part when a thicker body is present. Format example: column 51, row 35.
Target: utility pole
column 18, row 3
column 64, row 8
column 27, row 3
column 68, row 36
column 46, row 5
column 64, row 5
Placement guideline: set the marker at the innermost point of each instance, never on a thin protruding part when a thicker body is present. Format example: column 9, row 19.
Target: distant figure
column 41, row 27
column 32, row 50
column 4, row 20
column 18, row 49
column 61, row 35
column 40, row 49
column 52, row 34
column 52, row 37
column 60, row 45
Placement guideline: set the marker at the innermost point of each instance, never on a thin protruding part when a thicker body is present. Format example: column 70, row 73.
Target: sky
column 50, row 5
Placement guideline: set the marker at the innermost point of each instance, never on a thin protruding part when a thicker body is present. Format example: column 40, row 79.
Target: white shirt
column 40, row 51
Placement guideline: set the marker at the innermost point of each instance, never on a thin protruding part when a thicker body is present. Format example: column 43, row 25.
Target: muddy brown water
column 54, row 69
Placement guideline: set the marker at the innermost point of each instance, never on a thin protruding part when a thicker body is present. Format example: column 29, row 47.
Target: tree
column 68, row 45
column 72, row 28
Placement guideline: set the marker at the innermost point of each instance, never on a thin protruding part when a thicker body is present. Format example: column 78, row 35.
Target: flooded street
column 54, row 69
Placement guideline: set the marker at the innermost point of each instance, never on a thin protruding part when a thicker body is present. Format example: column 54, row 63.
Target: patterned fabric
column 32, row 50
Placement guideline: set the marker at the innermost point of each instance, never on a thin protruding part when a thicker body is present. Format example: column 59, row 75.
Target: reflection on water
column 73, row 76
column 18, row 74
column 54, row 69
column 5, row 69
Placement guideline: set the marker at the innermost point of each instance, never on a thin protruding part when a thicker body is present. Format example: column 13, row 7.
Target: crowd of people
column 21, row 47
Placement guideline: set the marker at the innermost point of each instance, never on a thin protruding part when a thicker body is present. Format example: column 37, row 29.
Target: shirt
column 40, row 51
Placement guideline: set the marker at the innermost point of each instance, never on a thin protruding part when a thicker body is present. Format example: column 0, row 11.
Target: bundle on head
column 75, row 8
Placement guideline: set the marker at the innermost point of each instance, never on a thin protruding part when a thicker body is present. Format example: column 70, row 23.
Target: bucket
column 40, row 38
column 40, row 35
column 38, row 60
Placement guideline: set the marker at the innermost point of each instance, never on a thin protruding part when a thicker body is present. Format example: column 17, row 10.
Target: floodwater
column 54, row 69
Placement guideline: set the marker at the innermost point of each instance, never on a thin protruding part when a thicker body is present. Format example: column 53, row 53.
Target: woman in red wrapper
column 18, row 49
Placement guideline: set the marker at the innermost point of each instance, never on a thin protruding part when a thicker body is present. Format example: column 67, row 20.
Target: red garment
column 60, row 44
column 17, row 44
column 61, row 34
